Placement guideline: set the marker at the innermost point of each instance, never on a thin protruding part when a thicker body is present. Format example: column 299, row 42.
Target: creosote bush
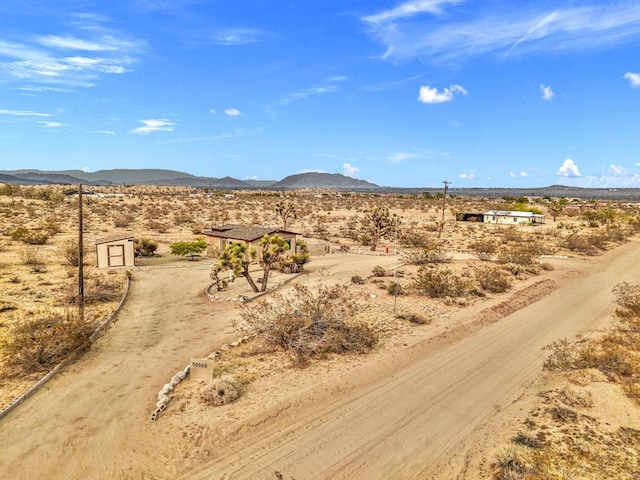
column 441, row 282
column 492, row 279
column 306, row 322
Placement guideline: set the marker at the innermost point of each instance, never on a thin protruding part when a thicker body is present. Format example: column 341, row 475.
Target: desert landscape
column 453, row 350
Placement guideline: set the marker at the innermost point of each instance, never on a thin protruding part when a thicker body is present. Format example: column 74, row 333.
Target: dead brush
column 221, row 392
column 36, row 342
column 307, row 322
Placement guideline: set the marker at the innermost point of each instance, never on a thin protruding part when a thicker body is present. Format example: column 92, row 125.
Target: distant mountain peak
column 322, row 180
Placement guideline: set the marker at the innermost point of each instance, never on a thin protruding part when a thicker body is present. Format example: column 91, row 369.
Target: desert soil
column 428, row 406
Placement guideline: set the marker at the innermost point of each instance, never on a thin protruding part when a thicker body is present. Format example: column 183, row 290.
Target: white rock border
column 167, row 388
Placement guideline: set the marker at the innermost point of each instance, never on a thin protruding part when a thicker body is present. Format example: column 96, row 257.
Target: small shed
column 115, row 252
column 249, row 235
column 513, row 218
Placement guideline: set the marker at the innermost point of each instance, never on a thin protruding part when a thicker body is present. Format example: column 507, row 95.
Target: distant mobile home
column 513, row 218
column 115, row 252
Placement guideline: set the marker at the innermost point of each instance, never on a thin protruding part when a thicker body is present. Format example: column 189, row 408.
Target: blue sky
column 480, row 93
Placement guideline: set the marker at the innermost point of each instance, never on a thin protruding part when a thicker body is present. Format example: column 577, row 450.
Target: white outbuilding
column 115, row 252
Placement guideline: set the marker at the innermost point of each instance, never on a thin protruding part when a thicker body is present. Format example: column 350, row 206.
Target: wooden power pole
column 80, row 258
column 444, row 205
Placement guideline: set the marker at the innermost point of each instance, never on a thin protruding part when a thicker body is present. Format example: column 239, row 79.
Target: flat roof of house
column 247, row 233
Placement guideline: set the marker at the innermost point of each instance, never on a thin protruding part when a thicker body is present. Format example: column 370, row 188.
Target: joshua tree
column 271, row 250
column 234, row 256
column 377, row 224
column 286, row 211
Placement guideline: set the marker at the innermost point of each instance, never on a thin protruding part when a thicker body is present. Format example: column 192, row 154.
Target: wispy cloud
column 432, row 95
column 410, row 9
column 467, row 175
column 46, row 124
column 232, row 112
column 547, row 93
column 424, row 29
column 154, row 125
column 400, row 157
column 307, row 92
column 69, row 60
column 24, row 113
column 210, row 138
column 238, row 36
column 634, row 78
column 329, row 85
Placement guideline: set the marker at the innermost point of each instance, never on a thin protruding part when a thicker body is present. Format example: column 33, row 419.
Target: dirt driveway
column 418, row 412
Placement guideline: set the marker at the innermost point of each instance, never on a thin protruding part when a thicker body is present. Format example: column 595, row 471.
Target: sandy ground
column 431, row 407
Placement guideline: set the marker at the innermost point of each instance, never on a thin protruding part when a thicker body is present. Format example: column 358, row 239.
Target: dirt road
column 418, row 412
column 88, row 422
column 424, row 412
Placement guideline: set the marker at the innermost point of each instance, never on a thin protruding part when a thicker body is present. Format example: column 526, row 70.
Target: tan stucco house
column 115, row 252
column 247, row 234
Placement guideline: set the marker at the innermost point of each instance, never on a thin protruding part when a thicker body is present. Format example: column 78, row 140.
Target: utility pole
column 444, row 204
column 80, row 258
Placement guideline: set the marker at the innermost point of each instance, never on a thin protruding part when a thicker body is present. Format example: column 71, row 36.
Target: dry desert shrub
column 426, row 254
column 70, row 252
column 484, row 249
column 492, row 279
column 36, row 342
column 98, row 288
column 307, row 322
column 221, row 392
column 441, row 282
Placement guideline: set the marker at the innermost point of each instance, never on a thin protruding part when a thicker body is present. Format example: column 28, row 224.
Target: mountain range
column 319, row 180
column 173, row 177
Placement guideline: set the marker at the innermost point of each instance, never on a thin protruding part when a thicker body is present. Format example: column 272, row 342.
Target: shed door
column 115, row 255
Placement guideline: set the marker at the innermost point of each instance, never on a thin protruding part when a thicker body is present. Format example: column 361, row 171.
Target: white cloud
column 409, row 9
column 349, row 170
column 154, row 125
column 238, row 36
column 432, row 95
column 212, row 111
column 616, row 176
column 634, row 78
column 232, row 112
column 568, row 169
column 467, row 175
column 524, row 174
column 512, row 175
column 547, row 93
column 24, row 113
column 503, row 28
column 616, row 170
column 66, row 60
column 307, row 92
column 399, row 157
column 106, row 43
column 46, row 124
